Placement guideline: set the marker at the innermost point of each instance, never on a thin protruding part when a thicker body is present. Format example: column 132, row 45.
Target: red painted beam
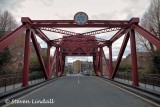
column 26, row 20
column 110, row 61
column 94, row 65
column 57, row 61
column 133, row 58
column 37, row 49
column 101, row 25
column 59, row 31
column 149, row 36
column 61, row 62
column 78, row 54
column 118, row 35
column 100, row 31
column 106, row 62
column 9, row 38
column 124, row 44
column 26, row 59
column 42, row 36
column 89, row 21
column 134, row 20
column 52, row 63
column 48, row 64
column 71, row 23
column 100, row 61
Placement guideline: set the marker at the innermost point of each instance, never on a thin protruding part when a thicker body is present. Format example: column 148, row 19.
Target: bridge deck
column 83, row 91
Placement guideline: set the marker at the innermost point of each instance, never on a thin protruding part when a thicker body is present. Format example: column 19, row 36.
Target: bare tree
column 151, row 22
column 7, row 22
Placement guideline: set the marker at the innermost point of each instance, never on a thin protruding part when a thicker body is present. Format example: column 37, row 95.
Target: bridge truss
column 79, row 44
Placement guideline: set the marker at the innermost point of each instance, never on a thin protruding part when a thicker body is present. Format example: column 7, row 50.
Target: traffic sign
column 81, row 18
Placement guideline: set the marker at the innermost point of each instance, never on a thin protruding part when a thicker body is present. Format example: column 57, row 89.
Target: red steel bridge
column 78, row 44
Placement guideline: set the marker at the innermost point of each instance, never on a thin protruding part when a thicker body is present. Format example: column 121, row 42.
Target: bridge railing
column 148, row 81
column 13, row 81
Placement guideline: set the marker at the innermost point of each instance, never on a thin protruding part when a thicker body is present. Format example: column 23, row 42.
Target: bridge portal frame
column 35, row 27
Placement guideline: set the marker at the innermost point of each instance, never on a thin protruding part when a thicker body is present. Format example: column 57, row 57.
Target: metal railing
column 149, row 81
column 13, row 81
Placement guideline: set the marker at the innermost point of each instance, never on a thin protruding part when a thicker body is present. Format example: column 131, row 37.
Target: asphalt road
column 81, row 91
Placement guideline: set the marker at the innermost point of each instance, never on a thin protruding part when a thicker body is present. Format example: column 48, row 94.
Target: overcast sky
column 65, row 9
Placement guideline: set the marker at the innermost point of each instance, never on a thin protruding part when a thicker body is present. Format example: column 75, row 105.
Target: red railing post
column 48, row 62
column 110, row 61
column 133, row 58
column 26, row 59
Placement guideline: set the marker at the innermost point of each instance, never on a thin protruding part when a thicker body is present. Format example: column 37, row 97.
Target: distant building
column 77, row 66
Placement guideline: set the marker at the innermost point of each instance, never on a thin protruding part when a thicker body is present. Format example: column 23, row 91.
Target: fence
column 13, row 81
column 149, row 81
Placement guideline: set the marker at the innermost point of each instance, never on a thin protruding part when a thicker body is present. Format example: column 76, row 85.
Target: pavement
column 79, row 91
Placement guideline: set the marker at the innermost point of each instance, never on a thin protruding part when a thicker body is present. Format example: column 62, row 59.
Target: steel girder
column 9, row 38
column 71, row 23
column 101, row 31
column 118, row 35
column 37, row 49
column 58, row 31
column 106, row 63
column 57, row 61
column 133, row 58
column 26, row 59
column 124, row 44
column 52, row 63
column 48, row 63
column 78, row 45
column 42, row 36
column 86, row 33
column 110, row 61
column 100, row 65
column 94, row 65
column 149, row 36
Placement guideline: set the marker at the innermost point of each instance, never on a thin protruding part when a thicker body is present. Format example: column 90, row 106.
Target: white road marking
column 131, row 93
column 78, row 79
